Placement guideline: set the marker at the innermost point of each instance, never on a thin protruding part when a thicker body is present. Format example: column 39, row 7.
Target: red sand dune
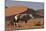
column 15, row 10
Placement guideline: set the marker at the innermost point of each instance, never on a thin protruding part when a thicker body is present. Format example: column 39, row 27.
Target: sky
column 34, row 5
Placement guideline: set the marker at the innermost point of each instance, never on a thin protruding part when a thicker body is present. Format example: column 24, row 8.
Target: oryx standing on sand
column 23, row 17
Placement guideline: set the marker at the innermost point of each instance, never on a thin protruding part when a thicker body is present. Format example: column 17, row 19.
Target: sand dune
column 15, row 10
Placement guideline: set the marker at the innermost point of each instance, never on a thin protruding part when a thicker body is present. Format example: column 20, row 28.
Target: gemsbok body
column 23, row 17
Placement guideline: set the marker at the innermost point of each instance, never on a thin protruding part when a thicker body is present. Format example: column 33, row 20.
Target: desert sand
column 31, row 24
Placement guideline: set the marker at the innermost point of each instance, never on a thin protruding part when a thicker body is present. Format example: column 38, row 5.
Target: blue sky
column 34, row 5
